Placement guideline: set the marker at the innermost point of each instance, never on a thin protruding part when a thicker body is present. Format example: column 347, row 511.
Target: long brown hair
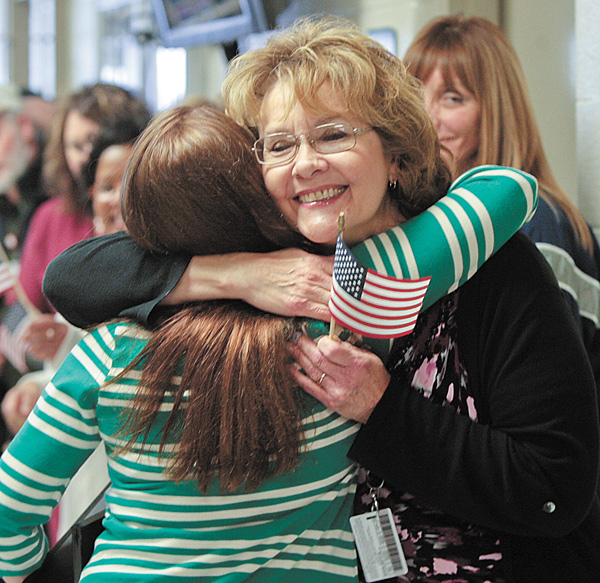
column 192, row 185
column 484, row 61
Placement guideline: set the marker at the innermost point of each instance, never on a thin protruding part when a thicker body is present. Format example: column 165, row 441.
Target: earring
column 392, row 184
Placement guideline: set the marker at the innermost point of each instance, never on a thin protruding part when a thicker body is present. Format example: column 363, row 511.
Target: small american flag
column 370, row 304
column 10, row 345
column 7, row 277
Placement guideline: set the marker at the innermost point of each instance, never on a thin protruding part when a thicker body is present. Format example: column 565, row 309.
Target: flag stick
column 21, row 295
column 341, row 223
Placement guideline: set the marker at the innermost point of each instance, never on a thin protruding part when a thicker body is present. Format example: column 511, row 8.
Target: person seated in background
column 22, row 188
column 477, row 96
column 102, row 177
column 22, row 144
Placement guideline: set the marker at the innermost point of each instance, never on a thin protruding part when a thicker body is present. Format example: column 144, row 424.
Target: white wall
column 543, row 34
column 77, row 44
column 588, row 108
column 563, row 77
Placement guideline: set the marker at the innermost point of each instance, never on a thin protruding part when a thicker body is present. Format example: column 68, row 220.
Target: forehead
column 77, row 125
column 453, row 75
column 281, row 102
column 114, row 156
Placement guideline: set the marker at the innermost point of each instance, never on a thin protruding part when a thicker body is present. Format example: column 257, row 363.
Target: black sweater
column 536, row 440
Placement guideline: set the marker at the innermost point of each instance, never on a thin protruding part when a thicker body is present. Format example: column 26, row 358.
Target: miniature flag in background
column 7, row 277
column 374, row 305
column 10, row 344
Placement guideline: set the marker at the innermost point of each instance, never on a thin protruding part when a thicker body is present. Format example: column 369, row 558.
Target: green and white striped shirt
column 293, row 528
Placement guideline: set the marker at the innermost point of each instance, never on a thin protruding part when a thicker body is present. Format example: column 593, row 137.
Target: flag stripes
column 372, row 304
column 7, row 277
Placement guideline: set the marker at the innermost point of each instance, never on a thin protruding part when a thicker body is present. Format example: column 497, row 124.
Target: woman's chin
column 321, row 236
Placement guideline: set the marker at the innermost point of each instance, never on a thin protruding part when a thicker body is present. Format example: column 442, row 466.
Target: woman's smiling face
column 312, row 189
column 456, row 115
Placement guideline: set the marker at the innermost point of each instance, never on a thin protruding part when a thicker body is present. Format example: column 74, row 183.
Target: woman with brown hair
column 201, row 435
column 477, row 97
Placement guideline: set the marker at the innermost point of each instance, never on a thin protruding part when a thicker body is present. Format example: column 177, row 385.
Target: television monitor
column 187, row 23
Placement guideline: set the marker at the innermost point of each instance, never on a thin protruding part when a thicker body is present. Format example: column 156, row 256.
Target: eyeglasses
column 330, row 138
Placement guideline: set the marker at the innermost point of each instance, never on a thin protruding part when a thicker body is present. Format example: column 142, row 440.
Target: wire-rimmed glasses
column 329, row 138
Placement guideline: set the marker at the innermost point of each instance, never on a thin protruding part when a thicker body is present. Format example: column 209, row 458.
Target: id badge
column 378, row 545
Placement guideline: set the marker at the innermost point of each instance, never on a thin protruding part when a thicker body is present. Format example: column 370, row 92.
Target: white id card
column 378, row 545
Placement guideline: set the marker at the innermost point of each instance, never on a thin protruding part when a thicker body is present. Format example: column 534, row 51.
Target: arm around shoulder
column 101, row 278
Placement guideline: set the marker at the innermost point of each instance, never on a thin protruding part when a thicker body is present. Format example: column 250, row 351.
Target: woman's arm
column 453, row 238
column 57, row 438
column 102, row 278
column 289, row 282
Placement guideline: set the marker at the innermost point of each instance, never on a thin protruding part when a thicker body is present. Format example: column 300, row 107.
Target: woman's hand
column 14, row 578
column 43, row 335
column 18, row 402
column 289, row 282
column 345, row 378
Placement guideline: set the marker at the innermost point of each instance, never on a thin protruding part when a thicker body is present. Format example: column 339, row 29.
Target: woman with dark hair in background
column 65, row 218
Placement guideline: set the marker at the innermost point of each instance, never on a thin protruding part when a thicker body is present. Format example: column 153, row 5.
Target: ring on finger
column 320, row 381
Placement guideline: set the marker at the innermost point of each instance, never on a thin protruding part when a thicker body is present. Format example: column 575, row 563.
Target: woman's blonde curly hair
column 372, row 82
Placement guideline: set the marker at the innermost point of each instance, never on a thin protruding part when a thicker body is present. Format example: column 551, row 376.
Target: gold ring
column 320, row 382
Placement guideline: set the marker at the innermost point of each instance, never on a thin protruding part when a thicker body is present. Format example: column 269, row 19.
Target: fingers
column 289, row 282
column 354, row 380
column 306, row 370
column 308, row 359
column 306, row 279
column 313, row 388
column 43, row 336
column 328, row 352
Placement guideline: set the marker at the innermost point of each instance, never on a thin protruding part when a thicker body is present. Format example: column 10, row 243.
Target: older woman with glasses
column 480, row 432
